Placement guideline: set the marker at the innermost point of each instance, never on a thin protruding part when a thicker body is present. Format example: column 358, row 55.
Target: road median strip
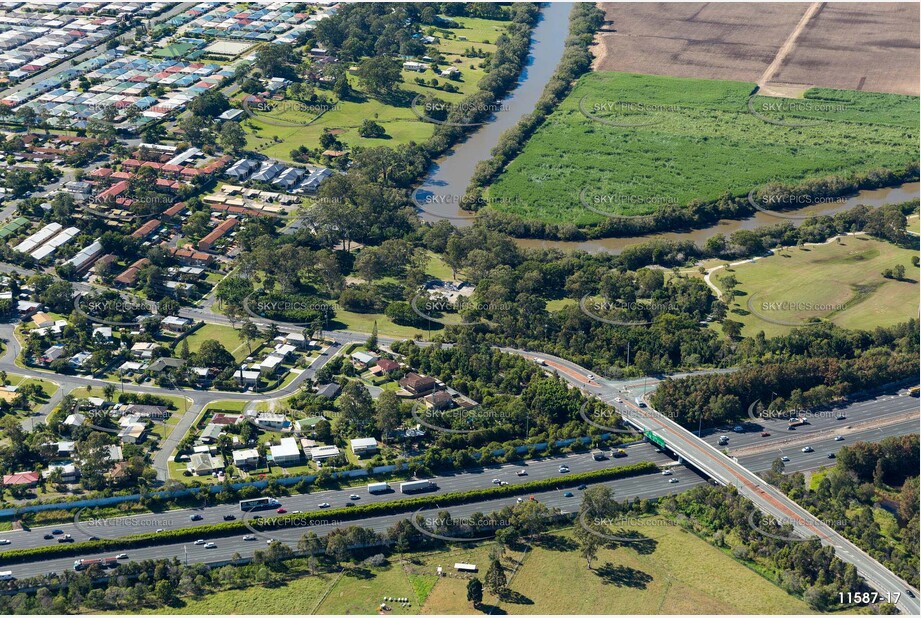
column 408, row 505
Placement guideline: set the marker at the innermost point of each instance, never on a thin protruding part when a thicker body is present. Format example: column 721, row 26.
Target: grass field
column 675, row 577
column 698, row 141
column 839, row 282
column 225, row 335
column 401, row 124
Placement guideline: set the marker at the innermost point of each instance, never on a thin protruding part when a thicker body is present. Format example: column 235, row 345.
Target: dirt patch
column 859, row 46
column 336, row 131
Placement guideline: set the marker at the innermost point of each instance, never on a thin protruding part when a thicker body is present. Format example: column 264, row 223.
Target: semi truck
column 378, row 488
column 104, row 563
column 416, row 486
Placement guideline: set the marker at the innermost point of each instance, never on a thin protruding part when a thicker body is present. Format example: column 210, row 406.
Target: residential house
column 286, row 452
column 321, row 453
column 364, row 446
column 246, row 458
column 175, row 324
column 415, row 384
column 203, row 464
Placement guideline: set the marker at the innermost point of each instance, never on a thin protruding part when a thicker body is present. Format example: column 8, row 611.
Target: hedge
column 342, row 514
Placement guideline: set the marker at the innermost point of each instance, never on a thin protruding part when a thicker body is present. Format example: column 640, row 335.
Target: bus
column 258, row 504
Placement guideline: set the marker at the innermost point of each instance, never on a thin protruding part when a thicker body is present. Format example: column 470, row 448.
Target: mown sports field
column 841, row 282
column 630, row 144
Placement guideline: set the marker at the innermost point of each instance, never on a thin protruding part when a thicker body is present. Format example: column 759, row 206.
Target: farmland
column 840, row 282
column 681, row 140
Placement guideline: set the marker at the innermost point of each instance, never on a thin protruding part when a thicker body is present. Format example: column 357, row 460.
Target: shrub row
column 343, row 514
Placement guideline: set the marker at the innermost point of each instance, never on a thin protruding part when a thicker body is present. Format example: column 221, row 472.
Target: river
column 448, row 177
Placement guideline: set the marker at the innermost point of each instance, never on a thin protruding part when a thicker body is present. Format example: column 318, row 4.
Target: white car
column 496, row 481
column 503, row 483
column 5, row 541
column 666, row 472
column 784, row 458
column 210, row 545
column 199, row 542
column 522, row 473
column 839, row 438
column 354, row 497
column 672, row 480
column 159, row 529
column 519, row 500
column 564, row 469
column 618, row 400
column 540, row 361
column 249, row 537
column 591, row 377
column 121, row 557
column 323, row 505
column 807, row 449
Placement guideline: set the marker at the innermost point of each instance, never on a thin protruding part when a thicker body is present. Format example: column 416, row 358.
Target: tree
column 475, row 592
column 589, row 544
column 496, row 581
column 387, row 413
column 370, row 129
column 380, row 74
column 184, row 349
column 275, row 60
column 109, row 391
column 249, row 332
column 232, row 137
column 371, row 343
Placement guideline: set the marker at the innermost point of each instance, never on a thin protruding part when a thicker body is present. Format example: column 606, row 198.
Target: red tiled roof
column 20, row 478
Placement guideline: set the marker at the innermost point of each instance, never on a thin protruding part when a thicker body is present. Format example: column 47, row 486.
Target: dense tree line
column 809, row 367
column 868, row 476
column 807, row 569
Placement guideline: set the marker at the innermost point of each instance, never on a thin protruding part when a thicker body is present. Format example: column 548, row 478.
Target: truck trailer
column 378, row 488
column 416, row 486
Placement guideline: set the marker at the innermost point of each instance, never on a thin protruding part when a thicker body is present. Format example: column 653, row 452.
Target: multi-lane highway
column 85, row 526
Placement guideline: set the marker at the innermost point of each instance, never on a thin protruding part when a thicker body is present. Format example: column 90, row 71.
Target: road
column 117, row 527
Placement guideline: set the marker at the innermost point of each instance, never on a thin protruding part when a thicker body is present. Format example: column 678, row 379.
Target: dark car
column 840, row 417
column 49, row 536
column 350, row 504
column 57, row 531
column 65, row 539
column 568, row 494
column 94, row 538
column 831, row 455
column 765, row 434
column 582, row 486
column 229, row 517
column 909, row 593
column 196, row 517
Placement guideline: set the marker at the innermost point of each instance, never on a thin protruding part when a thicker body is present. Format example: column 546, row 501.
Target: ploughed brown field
column 870, row 47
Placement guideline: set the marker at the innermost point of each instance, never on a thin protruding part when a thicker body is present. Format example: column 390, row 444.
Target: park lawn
column 698, row 141
column 913, row 224
column 236, row 405
column 49, row 388
column 227, row 336
column 841, row 281
column 559, row 304
column 296, row 597
column 438, row 268
column 677, row 577
column 364, row 323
